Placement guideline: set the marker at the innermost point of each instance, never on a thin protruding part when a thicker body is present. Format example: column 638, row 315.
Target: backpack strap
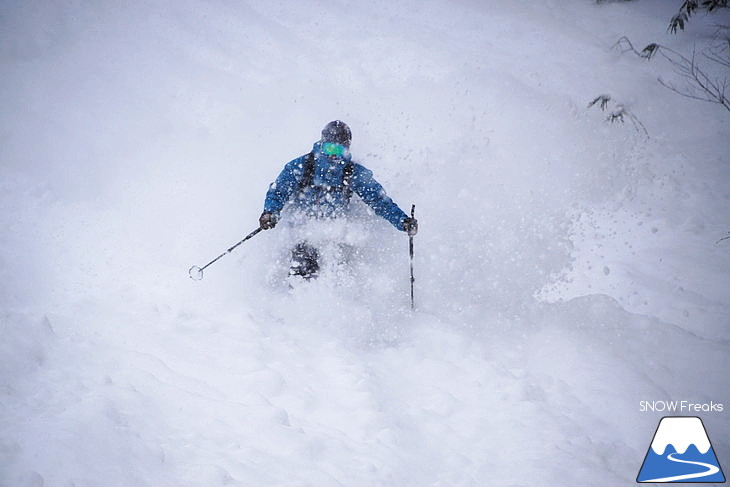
column 347, row 180
column 308, row 176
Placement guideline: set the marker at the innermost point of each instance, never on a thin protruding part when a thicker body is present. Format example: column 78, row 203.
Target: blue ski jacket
column 331, row 184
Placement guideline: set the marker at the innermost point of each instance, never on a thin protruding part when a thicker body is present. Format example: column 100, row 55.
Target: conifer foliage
column 690, row 7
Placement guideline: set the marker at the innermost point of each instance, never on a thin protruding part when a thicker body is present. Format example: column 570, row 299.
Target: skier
column 319, row 185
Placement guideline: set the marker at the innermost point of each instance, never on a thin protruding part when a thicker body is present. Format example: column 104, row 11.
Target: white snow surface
column 567, row 268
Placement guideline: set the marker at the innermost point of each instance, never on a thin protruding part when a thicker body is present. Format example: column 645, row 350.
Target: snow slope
column 566, row 268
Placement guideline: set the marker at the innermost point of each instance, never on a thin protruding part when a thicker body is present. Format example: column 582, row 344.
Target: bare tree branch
column 710, row 90
column 698, row 83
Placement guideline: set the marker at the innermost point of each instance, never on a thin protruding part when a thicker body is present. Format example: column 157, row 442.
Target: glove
column 410, row 225
column 268, row 220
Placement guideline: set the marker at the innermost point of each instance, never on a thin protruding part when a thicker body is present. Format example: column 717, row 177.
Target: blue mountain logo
column 680, row 452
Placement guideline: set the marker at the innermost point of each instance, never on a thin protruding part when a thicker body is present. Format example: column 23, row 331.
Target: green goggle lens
column 332, row 149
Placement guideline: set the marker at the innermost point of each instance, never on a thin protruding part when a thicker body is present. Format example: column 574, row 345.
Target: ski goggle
column 333, row 149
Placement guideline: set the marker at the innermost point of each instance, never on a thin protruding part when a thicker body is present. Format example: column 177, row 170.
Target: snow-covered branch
column 619, row 114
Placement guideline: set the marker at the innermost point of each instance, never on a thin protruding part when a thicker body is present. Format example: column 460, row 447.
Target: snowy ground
column 567, row 268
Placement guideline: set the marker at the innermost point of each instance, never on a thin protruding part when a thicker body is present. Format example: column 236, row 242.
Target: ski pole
column 196, row 273
column 410, row 251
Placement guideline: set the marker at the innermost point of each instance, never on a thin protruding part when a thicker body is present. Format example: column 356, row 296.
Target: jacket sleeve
column 372, row 193
column 285, row 185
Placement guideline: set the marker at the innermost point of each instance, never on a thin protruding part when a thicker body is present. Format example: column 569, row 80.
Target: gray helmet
column 337, row 132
